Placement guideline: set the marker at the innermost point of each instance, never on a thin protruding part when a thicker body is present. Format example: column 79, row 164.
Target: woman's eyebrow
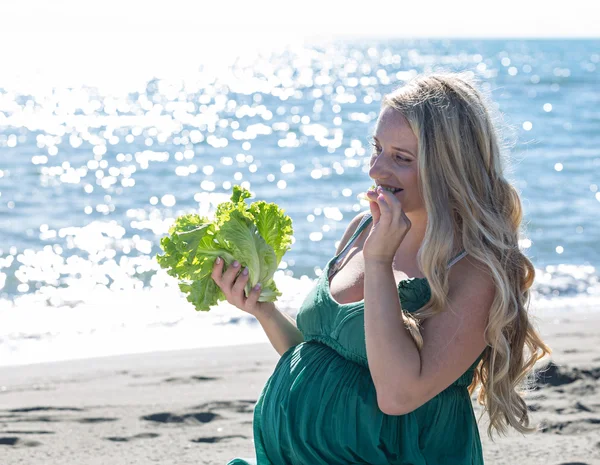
column 397, row 148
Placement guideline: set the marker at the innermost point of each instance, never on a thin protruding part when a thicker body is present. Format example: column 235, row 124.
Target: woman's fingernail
column 245, row 272
column 257, row 287
column 218, row 260
column 236, row 264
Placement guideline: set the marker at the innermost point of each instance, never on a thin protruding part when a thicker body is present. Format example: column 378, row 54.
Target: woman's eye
column 376, row 150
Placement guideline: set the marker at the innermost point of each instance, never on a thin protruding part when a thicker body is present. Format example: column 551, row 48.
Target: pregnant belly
column 319, row 406
column 315, row 378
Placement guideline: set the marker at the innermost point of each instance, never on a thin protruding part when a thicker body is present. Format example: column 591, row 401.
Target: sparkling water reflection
column 90, row 180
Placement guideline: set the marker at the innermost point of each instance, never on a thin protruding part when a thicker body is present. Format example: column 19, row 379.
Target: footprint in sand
column 132, row 438
column 576, row 408
column 213, row 439
column 190, row 379
column 18, row 442
column 573, row 463
column 29, row 432
column 534, row 407
column 556, row 375
column 238, row 406
column 571, row 427
column 95, row 420
column 194, row 418
column 21, row 415
column 568, row 380
column 46, row 409
column 202, row 413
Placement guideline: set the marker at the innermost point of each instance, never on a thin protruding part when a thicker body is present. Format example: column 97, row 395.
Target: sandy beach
column 195, row 406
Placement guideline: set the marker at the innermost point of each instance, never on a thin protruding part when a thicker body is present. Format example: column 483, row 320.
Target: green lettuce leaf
column 257, row 236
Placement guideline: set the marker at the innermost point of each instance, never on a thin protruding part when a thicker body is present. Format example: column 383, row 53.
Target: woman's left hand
column 390, row 225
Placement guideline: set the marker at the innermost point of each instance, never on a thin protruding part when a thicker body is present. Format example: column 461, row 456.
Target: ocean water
column 92, row 176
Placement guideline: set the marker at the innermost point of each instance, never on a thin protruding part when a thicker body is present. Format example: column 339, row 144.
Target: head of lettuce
column 257, row 236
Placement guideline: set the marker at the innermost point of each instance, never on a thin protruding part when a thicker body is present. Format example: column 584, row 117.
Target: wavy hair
column 461, row 168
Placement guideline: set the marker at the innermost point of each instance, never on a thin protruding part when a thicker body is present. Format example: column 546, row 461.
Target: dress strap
column 457, row 258
column 336, row 261
column 365, row 219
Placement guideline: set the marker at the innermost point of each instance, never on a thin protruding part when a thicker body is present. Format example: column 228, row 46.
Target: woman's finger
column 375, row 212
column 230, row 274
column 373, row 205
column 406, row 221
column 382, row 203
column 235, row 291
column 252, row 300
column 238, row 287
column 217, row 271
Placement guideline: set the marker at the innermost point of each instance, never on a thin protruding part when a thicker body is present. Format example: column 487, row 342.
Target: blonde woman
column 425, row 301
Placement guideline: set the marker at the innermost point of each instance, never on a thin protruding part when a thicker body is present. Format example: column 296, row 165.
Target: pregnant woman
column 424, row 303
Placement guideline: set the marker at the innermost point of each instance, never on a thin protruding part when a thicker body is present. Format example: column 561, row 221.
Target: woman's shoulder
column 471, row 274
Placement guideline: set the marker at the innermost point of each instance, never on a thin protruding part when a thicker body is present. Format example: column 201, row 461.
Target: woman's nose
column 379, row 167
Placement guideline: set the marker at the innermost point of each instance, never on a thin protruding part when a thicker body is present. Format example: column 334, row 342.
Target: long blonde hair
column 467, row 196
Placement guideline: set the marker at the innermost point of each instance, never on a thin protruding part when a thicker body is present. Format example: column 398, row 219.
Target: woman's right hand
column 233, row 285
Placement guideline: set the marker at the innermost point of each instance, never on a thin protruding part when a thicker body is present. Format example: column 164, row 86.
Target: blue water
column 90, row 180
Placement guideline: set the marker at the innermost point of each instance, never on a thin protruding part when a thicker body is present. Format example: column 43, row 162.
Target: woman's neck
column 406, row 255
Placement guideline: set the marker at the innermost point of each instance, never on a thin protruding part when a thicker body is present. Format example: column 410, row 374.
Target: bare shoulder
column 351, row 228
column 472, row 274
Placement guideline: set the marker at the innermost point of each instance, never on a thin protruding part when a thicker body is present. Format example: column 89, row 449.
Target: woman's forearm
column 393, row 357
column 280, row 328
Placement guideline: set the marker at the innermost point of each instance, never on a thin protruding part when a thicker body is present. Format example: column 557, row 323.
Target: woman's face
column 394, row 158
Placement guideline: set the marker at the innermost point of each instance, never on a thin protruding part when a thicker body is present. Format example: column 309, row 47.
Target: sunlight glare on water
column 106, row 139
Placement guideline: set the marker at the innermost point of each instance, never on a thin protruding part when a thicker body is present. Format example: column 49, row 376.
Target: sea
column 93, row 173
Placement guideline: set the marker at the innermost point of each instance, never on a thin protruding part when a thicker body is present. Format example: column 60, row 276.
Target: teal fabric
column 319, row 407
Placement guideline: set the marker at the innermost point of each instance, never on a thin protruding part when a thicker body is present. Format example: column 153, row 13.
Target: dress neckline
column 403, row 283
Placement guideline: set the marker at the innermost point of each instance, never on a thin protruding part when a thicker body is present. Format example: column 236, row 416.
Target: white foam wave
column 88, row 319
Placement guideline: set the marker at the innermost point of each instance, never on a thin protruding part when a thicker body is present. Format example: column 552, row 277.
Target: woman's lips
column 375, row 192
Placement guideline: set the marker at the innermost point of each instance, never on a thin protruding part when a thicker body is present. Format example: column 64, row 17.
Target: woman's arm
column 405, row 378
column 280, row 328
column 389, row 345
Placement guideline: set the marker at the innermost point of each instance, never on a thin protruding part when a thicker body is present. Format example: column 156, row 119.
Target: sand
column 195, row 406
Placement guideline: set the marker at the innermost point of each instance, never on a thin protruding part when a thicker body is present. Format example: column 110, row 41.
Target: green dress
column 319, row 407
